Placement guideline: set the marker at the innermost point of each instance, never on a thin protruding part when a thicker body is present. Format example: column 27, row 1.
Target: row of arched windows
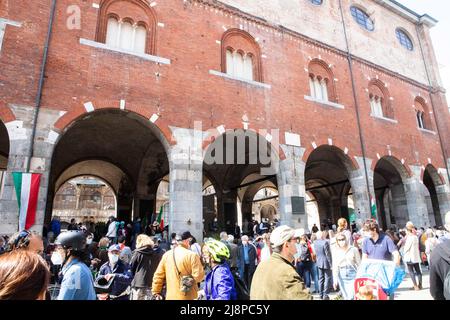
column 134, row 30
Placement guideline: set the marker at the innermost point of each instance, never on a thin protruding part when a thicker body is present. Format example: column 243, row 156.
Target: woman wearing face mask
column 70, row 253
column 346, row 260
column 119, row 271
column 219, row 282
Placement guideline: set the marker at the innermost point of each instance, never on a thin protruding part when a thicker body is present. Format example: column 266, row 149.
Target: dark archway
column 327, row 179
column 234, row 163
column 4, row 151
column 389, row 176
column 431, row 180
column 120, row 147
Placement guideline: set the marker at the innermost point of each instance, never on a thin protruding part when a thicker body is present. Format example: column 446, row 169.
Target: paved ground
column 404, row 292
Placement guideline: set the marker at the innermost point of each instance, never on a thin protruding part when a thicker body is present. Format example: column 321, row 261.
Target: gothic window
column 379, row 98
column 321, row 81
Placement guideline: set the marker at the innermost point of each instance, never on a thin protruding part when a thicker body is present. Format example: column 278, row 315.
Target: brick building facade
column 345, row 96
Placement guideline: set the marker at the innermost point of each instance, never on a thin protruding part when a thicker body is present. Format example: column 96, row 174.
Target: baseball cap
column 281, row 235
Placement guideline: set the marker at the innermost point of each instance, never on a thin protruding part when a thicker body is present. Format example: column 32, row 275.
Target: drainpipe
column 41, row 85
column 430, row 91
column 355, row 100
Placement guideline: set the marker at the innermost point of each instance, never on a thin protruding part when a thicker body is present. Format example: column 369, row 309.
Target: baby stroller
column 377, row 279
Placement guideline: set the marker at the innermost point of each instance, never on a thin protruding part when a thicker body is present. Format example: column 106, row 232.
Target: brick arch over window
column 135, row 11
column 379, row 92
column 236, row 40
column 423, row 113
column 319, row 69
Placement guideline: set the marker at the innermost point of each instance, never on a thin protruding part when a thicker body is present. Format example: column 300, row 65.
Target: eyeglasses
column 341, row 239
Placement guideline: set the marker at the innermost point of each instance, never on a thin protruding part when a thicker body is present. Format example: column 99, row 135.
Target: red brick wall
column 185, row 91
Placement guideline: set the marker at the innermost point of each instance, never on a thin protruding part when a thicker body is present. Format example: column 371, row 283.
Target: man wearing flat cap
column 276, row 278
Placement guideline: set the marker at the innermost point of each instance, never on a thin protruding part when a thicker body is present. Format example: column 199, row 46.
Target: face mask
column 113, row 258
column 88, row 241
column 56, row 258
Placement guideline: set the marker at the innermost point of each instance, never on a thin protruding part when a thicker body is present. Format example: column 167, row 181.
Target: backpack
column 447, row 286
column 241, row 288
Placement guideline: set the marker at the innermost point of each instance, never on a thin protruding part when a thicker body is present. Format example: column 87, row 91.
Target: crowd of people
column 271, row 262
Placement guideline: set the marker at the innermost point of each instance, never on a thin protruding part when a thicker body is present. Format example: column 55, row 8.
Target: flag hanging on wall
column 373, row 208
column 160, row 218
column 27, row 190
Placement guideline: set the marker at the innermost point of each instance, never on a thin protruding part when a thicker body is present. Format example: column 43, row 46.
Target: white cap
column 299, row 233
column 281, row 235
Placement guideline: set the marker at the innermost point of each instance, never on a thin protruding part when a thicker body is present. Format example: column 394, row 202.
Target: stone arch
column 436, row 195
column 348, row 159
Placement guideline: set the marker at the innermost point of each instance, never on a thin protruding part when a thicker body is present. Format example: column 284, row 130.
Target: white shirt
column 112, row 232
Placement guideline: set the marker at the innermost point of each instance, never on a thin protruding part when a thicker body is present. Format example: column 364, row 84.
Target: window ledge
column 254, row 83
column 384, row 119
column 327, row 103
column 427, row 131
column 144, row 56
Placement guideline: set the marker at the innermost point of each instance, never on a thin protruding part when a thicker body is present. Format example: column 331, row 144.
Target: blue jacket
column 77, row 282
column 323, row 253
column 219, row 284
column 122, row 276
column 55, row 227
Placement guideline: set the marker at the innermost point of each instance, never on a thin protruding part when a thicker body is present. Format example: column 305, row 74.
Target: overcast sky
column 438, row 9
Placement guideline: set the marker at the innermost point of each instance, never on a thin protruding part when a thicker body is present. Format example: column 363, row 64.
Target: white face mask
column 113, row 258
column 56, row 258
column 88, row 241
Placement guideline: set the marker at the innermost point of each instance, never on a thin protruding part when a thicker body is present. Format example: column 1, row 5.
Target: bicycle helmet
column 218, row 250
column 73, row 239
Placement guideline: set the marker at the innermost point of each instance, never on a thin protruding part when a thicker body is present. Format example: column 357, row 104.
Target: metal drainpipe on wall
column 41, row 85
column 355, row 100
column 430, row 92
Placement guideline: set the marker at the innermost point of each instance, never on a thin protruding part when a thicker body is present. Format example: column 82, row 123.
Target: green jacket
column 277, row 279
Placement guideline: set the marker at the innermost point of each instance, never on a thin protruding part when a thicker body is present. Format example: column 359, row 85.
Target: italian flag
column 160, row 218
column 373, row 207
column 27, row 190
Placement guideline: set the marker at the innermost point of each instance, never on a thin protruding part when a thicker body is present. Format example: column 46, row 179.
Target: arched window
column 380, row 104
column 362, row 18
column 321, row 81
column 422, row 114
column 316, row 2
column 241, row 55
column 127, row 24
column 404, row 40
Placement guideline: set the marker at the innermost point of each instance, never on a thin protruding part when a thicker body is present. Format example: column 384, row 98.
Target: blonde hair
column 144, row 240
column 104, row 242
column 342, row 224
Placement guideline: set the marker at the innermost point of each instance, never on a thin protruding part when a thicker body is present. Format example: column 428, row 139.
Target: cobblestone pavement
column 404, row 291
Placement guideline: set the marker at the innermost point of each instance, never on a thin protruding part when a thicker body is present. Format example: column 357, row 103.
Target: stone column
column 291, row 183
column 361, row 197
column 186, row 198
column 415, row 199
column 443, row 195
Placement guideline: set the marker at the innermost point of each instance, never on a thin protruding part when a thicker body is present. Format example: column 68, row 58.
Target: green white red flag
column 27, row 191
column 373, row 208
column 160, row 218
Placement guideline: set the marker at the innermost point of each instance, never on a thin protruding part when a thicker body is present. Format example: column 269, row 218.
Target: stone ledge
column 326, row 103
column 144, row 56
column 254, row 83
column 427, row 131
column 384, row 119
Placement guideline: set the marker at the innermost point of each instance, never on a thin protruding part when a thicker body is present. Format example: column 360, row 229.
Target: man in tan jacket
column 187, row 262
column 276, row 278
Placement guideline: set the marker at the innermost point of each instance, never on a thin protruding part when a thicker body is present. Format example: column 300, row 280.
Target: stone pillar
column 20, row 132
column 415, row 199
column 443, row 195
column 291, row 183
column 186, row 197
column 361, row 197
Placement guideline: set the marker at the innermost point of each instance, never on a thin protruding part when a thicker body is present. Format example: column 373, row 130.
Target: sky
column 440, row 34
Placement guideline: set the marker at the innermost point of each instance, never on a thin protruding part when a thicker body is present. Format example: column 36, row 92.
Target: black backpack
column 241, row 288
